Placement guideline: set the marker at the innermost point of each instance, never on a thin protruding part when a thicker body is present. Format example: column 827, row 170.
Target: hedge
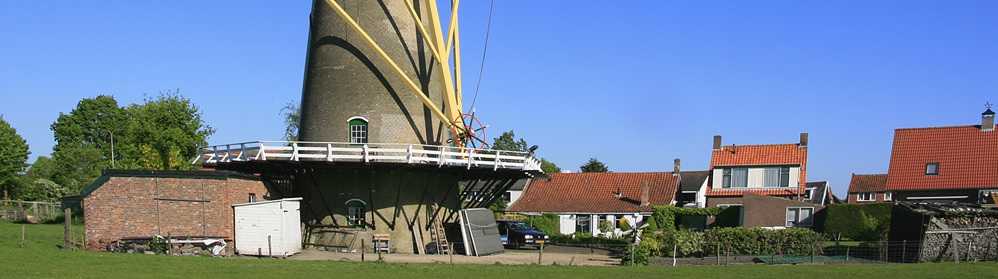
column 736, row 241
column 550, row 224
column 664, row 218
column 862, row 222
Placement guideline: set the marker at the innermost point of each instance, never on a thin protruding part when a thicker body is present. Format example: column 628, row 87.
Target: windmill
column 385, row 150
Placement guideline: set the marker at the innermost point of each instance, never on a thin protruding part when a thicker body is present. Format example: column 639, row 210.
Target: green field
column 41, row 258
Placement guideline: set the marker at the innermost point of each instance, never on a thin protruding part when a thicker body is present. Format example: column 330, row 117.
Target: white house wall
column 514, row 196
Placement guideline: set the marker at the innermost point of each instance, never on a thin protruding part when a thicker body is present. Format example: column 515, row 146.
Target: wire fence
column 830, row 252
column 824, row 252
column 30, row 211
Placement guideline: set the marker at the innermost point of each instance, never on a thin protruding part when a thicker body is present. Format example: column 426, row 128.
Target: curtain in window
column 739, row 178
column 772, row 177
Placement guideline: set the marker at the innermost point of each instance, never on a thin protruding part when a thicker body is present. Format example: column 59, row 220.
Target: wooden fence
column 29, row 211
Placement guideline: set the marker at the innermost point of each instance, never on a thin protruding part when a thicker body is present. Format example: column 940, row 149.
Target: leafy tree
column 168, row 128
column 292, row 121
column 78, row 166
column 43, row 190
column 594, row 165
column 507, row 141
column 91, row 123
column 13, row 154
column 549, row 167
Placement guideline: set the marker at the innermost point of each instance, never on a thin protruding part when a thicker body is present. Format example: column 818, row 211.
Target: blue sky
column 633, row 83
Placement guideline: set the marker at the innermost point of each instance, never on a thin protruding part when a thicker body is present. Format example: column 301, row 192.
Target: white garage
column 268, row 228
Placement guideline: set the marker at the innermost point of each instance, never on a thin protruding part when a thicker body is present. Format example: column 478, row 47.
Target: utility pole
column 112, row 147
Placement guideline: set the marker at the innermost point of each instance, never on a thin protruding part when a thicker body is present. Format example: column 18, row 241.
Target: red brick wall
column 147, row 206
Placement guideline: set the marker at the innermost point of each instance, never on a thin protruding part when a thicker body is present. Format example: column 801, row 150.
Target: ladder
column 439, row 237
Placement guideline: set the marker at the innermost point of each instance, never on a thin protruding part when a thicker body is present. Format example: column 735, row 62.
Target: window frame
column 809, row 193
column 798, row 222
column 888, row 196
column 872, row 196
column 733, row 181
column 588, row 228
column 358, row 133
column 935, row 170
column 726, row 178
column 356, row 215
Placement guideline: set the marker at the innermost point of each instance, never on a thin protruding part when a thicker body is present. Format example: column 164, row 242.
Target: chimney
column 645, row 194
column 803, row 139
column 988, row 120
column 717, row 142
column 675, row 167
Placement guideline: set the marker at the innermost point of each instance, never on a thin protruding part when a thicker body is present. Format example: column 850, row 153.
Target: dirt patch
column 552, row 255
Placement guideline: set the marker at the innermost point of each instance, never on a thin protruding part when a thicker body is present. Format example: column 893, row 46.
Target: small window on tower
column 358, row 130
column 251, row 198
column 932, row 169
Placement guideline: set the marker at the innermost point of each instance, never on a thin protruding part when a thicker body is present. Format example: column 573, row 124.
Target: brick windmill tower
column 384, row 149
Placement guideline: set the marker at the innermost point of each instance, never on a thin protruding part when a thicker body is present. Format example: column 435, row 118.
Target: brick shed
column 141, row 204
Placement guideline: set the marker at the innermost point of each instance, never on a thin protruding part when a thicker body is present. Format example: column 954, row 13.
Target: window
column 777, row 177
column 251, row 198
column 583, row 223
column 800, row 216
column 865, row 197
column 809, row 193
column 888, row 196
column 358, row 130
column 507, row 197
column 727, row 178
column 932, row 169
column 355, row 213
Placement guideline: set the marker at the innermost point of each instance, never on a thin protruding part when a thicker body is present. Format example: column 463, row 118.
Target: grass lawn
column 40, row 258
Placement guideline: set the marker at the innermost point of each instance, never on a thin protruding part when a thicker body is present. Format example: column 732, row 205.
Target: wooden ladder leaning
column 440, row 237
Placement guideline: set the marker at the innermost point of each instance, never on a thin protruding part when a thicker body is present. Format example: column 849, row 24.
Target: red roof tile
column 967, row 157
column 594, row 192
column 759, row 155
column 864, row 183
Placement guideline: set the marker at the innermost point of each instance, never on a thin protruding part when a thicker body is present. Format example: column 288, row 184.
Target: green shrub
column 665, row 218
column 547, row 223
column 862, row 222
column 758, row 241
column 639, row 254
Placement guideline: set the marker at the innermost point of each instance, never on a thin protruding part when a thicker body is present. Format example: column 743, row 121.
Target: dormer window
column 809, row 193
column 932, row 169
column 358, row 129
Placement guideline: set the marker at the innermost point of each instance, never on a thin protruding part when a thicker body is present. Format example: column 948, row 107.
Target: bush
column 757, row 241
column 547, row 223
column 639, row 254
column 665, row 218
column 862, row 222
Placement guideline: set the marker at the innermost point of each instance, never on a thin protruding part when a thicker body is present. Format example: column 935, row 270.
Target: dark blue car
column 518, row 234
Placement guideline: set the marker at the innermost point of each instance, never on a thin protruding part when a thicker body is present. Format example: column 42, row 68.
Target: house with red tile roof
column 869, row 188
column 584, row 200
column 957, row 163
column 772, row 176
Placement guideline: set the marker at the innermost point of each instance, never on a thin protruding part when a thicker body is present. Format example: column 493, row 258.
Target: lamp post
column 111, row 133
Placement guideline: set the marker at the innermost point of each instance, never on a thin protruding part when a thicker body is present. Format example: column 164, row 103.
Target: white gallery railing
column 367, row 153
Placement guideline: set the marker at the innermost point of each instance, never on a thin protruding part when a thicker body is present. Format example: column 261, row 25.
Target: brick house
column 760, row 185
column 868, row 188
column 957, row 163
column 142, row 204
column 583, row 200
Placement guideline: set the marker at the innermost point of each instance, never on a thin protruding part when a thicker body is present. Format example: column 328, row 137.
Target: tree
column 507, row 141
column 78, row 166
column 13, row 155
column 292, row 121
column 594, row 165
column 91, row 123
column 549, row 167
column 168, row 128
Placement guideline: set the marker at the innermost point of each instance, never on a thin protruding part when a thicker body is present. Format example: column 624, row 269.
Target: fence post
column 67, row 237
column 540, row 255
column 718, row 250
column 847, row 253
column 968, row 253
column 813, row 251
column 363, row 250
column 956, row 250
column 23, row 231
column 270, row 249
